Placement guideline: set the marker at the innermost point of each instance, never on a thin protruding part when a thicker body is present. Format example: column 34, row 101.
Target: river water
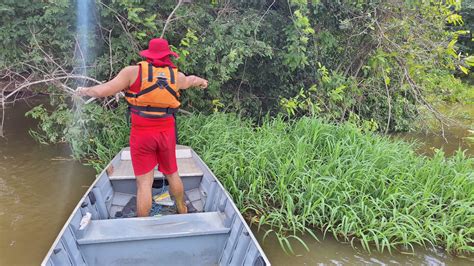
column 40, row 185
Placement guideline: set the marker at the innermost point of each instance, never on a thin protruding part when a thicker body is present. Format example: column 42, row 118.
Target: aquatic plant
column 305, row 176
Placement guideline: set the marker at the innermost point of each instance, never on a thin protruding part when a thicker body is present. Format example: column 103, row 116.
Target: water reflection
column 454, row 139
column 455, row 135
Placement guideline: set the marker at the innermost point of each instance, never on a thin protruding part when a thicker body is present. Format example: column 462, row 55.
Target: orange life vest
column 158, row 95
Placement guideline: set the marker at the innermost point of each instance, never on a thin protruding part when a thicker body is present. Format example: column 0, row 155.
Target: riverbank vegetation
column 307, row 176
column 378, row 63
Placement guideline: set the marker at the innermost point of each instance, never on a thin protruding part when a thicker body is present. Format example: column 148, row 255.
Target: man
column 152, row 91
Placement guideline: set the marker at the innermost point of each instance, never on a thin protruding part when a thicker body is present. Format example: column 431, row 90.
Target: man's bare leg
column 177, row 190
column 144, row 184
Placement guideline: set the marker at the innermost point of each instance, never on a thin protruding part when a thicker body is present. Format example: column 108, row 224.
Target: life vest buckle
column 162, row 83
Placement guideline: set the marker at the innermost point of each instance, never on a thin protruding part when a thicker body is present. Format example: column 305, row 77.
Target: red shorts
column 149, row 147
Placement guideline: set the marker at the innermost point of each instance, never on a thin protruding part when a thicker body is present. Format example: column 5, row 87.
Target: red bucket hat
column 158, row 48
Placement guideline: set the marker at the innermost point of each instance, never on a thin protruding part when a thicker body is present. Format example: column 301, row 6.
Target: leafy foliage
column 94, row 133
column 375, row 60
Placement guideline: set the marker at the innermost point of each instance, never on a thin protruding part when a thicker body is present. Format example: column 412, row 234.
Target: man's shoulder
column 130, row 71
column 131, row 68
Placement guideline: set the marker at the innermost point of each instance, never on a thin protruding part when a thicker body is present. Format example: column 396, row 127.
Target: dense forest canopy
column 372, row 62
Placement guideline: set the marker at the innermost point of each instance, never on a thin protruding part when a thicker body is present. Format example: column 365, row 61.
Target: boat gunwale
column 79, row 203
column 246, row 226
column 118, row 158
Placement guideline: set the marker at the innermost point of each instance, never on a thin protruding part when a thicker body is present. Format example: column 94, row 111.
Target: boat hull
column 216, row 234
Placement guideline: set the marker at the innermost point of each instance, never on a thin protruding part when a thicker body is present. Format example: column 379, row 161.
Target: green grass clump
column 304, row 176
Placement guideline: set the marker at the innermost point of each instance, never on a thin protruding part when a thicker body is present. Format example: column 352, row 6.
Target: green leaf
column 464, row 69
column 469, row 60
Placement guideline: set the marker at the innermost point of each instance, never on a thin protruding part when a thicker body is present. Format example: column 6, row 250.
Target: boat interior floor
column 123, row 194
column 124, row 205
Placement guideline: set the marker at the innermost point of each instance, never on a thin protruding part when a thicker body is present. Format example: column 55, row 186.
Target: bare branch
column 169, row 18
column 28, row 84
column 184, row 112
column 261, row 18
column 111, row 72
column 130, row 37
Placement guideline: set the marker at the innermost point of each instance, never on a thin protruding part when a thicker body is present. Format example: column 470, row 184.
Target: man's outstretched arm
column 185, row 82
column 117, row 84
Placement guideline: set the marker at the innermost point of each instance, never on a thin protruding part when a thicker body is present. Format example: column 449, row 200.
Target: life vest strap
column 147, row 90
column 171, row 75
column 150, row 72
column 153, row 109
column 161, row 83
column 142, row 114
column 131, row 95
column 170, row 90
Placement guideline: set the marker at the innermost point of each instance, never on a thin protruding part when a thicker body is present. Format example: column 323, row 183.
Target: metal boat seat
column 170, row 226
column 186, row 165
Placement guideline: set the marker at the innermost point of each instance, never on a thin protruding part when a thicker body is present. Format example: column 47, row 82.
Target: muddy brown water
column 455, row 137
column 40, row 185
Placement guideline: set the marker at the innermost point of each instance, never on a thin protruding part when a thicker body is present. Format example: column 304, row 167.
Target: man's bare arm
column 186, row 82
column 117, row 84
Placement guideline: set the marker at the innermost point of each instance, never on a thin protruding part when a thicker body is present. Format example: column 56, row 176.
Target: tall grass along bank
column 308, row 175
column 305, row 176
